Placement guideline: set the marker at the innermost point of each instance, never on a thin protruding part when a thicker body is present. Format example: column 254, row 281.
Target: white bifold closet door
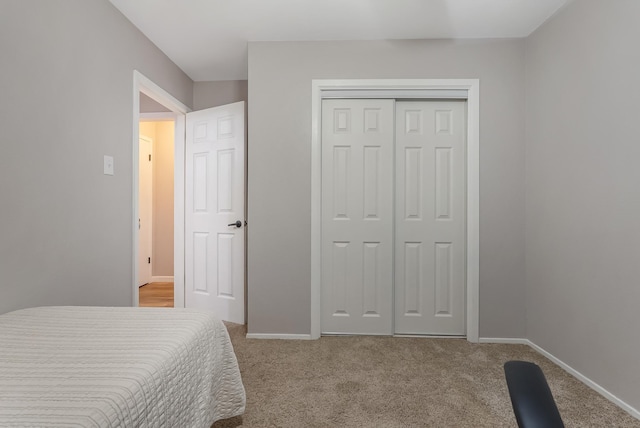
column 393, row 217
column 430, row 218
column 357, row 216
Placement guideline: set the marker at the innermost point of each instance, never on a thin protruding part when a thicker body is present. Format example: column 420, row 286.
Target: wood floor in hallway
column 156, row 294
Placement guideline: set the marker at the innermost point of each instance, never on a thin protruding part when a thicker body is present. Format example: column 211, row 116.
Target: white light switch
column 108, row 165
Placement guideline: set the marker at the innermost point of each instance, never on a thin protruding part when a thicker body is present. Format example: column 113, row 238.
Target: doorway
column 156, row 207
column 209, row 183
column 174, row 110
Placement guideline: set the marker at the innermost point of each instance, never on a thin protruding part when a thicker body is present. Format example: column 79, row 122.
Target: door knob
column 236, row 224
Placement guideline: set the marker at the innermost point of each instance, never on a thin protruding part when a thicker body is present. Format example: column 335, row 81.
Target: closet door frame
column 405, row 89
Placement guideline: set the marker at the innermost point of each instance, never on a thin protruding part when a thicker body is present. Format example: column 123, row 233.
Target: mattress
column 116, row 367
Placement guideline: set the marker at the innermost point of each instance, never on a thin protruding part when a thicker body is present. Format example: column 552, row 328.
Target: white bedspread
column 116, row 367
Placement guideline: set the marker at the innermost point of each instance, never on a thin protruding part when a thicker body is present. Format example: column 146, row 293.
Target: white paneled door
column 357, row 216
column 214, row 217
column 430, row 218
column 393, row 217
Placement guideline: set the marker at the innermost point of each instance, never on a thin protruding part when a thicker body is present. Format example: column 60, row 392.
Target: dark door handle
column 236, row 224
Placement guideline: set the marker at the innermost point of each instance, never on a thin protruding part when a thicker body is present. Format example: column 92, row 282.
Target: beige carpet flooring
column 397, row 382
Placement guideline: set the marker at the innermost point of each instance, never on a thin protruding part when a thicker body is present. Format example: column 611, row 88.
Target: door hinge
column 149, row 260
column 149, row 157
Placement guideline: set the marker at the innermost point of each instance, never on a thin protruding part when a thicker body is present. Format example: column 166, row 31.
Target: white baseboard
column 278, row 336
column 505, row 340
column 582, row 378
column 591, row 384
column 161, row 279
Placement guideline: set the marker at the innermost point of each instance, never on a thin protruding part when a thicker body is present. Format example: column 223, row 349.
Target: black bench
column 531, row 397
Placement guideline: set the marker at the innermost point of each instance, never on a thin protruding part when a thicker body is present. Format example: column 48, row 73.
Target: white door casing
column 430, row 218
column 214, row 202
column 142, row 84
column 401, row 88
column 145, row 210
column 357, row 216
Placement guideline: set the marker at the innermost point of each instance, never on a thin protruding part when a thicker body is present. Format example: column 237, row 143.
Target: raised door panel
column 225, row 180
column 412, row 271
column 371, row 173
column 199, row 260
column 443, row 171
column 200, row 182
column 340, row 185
column 339, row 279
column 442, row 281
column 412, row 183
column 225, row 277
column 372, row 274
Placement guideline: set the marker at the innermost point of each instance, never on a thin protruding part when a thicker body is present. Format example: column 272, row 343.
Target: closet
column 393, row 217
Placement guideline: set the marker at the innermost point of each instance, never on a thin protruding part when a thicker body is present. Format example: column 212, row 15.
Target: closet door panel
column 430, row 218
column 357, row 216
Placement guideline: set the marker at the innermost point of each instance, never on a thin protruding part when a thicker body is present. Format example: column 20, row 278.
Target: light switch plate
column 108, row 165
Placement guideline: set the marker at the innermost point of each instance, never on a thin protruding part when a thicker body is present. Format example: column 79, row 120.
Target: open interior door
column 214, row 211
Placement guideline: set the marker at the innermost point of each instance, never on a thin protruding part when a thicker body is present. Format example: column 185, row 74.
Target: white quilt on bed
column 116, row 367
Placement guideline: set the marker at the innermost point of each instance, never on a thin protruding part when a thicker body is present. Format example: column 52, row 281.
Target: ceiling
column 208, row 39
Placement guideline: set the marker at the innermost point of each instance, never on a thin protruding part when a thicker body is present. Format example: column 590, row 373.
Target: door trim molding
column 472, row 86
column 143, row 84
column 270, row 336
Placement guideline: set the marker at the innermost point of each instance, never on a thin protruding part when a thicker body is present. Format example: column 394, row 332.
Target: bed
column 116, row 367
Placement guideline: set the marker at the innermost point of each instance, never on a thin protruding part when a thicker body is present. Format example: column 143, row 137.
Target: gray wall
column 67, row 99
column 213, row 94
column 149, row 105
column 583, row 197
column 279, row 156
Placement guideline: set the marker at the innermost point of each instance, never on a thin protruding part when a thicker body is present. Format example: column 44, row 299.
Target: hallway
column 156, row 294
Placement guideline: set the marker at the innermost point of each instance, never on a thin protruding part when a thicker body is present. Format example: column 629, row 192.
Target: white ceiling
column 208, row 38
